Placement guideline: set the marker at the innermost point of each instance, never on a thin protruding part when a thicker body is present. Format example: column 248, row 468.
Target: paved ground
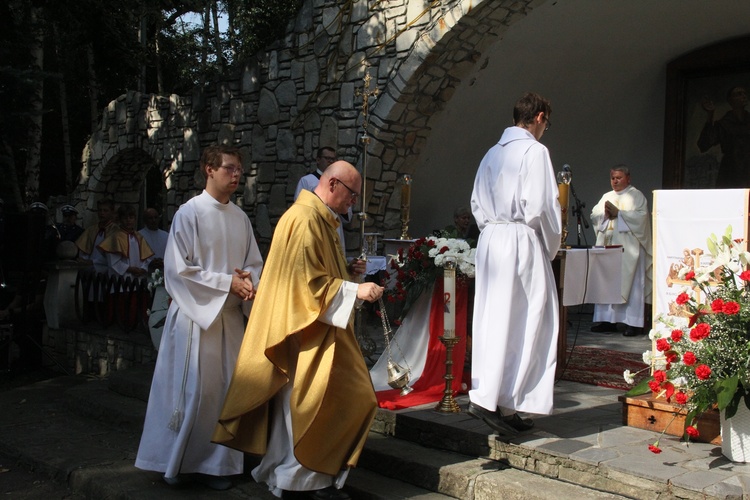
column 21, row 480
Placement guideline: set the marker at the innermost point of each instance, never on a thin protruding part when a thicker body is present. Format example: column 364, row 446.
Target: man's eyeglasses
column 232, row 170
column 352, row 192
column 329, row 159
column 549, row 123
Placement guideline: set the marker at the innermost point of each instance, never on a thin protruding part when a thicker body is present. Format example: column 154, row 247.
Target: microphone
column 566, row 168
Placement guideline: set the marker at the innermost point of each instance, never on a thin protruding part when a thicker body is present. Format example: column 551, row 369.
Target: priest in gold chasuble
column 301, row 394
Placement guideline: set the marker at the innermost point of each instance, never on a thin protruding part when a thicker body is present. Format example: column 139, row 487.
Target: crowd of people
column 261, row 357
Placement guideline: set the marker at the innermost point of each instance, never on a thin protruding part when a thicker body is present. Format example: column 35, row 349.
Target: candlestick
column 448, row 403
column 405, row 205
column 563, row 189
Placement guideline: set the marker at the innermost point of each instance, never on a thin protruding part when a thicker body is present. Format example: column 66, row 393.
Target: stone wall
column 304, row 92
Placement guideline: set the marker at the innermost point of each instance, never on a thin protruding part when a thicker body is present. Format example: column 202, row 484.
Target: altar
column 586, row 275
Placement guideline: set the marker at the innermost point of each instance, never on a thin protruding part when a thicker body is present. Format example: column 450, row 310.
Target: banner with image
column 682, row 221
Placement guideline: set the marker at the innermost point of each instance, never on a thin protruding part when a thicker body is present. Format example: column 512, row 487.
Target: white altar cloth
column 592, row 276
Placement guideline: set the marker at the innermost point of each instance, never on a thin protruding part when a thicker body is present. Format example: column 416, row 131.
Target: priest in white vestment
column 211, row 267
column 622, row 218
column 514, row 344
column 301, row 394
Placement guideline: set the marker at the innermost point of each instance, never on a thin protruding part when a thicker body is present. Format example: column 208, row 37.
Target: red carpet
column 602, row 367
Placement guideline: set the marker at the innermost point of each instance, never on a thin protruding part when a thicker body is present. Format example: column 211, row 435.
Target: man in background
column 622, row 218
column 326, row 156
column 69, row 229
column 89, row 241
column 155, row 237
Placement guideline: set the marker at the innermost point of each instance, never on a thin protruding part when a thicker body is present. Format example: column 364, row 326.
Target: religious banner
column 683, row 220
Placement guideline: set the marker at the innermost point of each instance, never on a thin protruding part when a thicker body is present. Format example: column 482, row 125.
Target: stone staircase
column 410, row 454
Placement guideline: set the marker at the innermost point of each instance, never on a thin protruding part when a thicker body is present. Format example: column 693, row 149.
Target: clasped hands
column 610, row 210
column 242, row 285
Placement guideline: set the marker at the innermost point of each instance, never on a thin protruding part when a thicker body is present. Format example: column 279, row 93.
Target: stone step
column 463, row 477
column 411, row 453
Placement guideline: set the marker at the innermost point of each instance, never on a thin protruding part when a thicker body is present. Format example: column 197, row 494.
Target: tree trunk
column 206, row 43
column 36, row 107
column 64, row 117
column 93, row 89
column 217, row 37
column 143, row 41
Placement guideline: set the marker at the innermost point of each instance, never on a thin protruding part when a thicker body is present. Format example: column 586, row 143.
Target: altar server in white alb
column 211, row 267
column 514, row 345
column 622, row 218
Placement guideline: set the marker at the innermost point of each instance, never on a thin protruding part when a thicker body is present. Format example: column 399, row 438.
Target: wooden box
column 647, row 412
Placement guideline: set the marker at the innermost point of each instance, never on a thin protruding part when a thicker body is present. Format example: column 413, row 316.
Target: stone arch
column 439, row 57
column 306, row 92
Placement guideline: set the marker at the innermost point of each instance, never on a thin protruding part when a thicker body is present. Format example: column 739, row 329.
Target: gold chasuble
column 85, row 242
column 332, row 401
column 119, row 243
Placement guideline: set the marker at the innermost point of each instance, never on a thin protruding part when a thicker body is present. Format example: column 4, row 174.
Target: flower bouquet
column 422, row 263
column 702, row 358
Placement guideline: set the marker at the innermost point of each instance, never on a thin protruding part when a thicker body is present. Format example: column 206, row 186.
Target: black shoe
column 518, row 423
column 491, row 418
column 178, row 480
column 329, row 493
column 633, row 331
column 604, row 327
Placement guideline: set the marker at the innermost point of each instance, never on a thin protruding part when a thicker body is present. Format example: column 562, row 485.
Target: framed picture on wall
column 694, row 154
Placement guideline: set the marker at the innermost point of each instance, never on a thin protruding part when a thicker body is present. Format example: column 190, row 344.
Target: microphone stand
column 580, row 217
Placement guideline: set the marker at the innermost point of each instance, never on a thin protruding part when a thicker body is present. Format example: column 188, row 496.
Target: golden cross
column 366, row 93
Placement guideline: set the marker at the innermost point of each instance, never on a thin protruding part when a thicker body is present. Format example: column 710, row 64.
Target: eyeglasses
column 232, row 169
column 329, row 159
column 352, row 192
column 549, row 123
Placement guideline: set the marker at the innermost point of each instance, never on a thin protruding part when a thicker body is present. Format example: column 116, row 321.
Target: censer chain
column 386, row 334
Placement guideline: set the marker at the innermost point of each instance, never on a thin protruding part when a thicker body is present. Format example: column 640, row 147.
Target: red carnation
column 662, row 345
column 682, row 298
column 699, row 332
column 688, row 358
column 689, row 275
column 654, row 448
column 654, row 386
column 691, row 431
column 717, row 305
column 681, row 398
column 745, row 275
column 731, row 308
column 676, row 335
column 443, row 250
column 660, row 376
column 702, row 372
column 672, row 357
column 430, row 243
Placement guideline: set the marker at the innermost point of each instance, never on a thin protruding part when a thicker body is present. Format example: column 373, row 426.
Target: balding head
column 339, row 186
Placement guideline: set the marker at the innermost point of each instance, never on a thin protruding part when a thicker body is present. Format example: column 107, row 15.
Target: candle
column 563, row 190
column 405, row 194
column 449, row 294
